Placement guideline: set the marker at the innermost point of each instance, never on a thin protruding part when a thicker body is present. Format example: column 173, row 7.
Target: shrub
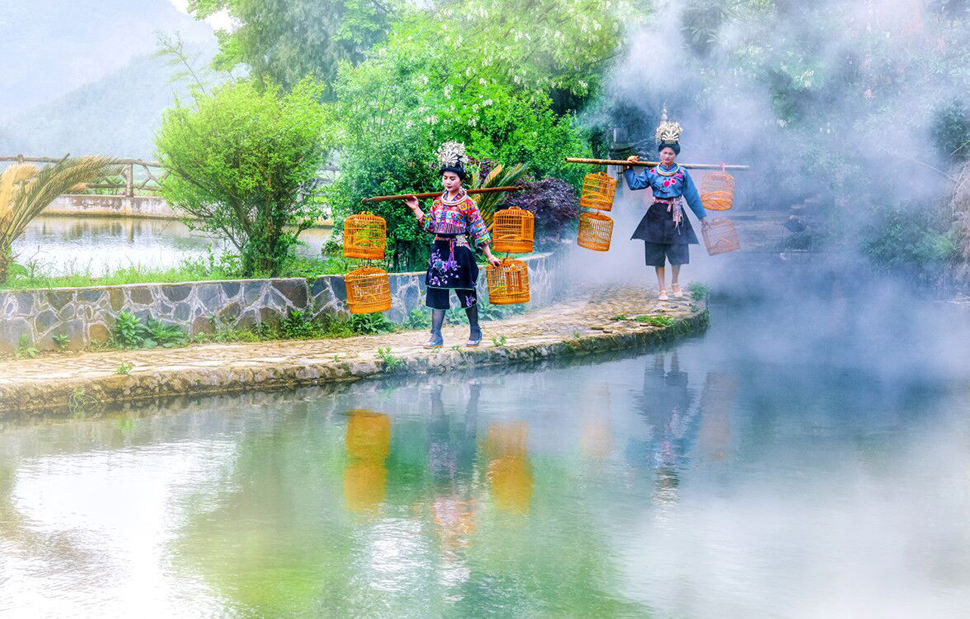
column 244, row 164
column 555, row 206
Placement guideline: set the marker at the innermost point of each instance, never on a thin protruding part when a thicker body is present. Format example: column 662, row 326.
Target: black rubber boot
column 437, row 320
column 475, row 332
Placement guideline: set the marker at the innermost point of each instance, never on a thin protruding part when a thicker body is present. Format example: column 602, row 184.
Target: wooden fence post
column 130, row 181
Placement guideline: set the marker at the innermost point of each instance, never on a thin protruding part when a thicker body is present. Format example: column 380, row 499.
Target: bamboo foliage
column 26, row 190
column 498, row 177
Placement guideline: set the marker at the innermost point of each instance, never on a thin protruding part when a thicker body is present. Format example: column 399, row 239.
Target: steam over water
column 801, row 459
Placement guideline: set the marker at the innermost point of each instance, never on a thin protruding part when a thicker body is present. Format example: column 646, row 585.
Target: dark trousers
column 439, row 298
column 676, row 253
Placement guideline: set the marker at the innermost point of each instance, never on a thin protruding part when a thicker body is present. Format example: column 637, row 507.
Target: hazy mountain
column 52, row 47
column 117, row 115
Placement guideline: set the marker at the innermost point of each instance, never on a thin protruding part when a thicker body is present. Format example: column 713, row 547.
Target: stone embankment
column 595, row 322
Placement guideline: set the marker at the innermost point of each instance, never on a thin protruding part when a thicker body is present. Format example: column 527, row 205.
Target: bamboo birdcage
column 720, row 237
column 513, row 231
column 365, row 236
column 508, row 284
column 595, row 231
column 368, row 291
column 717, row 191
column 599, row 190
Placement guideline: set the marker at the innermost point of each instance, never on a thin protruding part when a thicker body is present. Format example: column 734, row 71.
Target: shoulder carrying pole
column 689, row 166
column 435, row 194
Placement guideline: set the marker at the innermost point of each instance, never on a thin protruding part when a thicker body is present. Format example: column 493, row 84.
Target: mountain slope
column 52, row 47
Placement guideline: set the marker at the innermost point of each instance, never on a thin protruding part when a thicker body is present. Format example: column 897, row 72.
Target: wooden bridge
column 136, row 175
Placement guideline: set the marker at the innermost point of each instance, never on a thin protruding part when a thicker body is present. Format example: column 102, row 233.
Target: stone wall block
column 116, row 299
column 209, row 296
column 59, row 298
column 98, row 333
column 177, row 292
column 140, row 295
column 294, row 291
column 230, row 290
column 11, row 331
column 86, row 315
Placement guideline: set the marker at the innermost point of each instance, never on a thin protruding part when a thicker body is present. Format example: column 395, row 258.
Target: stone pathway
column 580, row 325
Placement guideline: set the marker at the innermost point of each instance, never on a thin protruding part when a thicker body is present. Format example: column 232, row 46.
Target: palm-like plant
column 25, row 191
column 498, row 177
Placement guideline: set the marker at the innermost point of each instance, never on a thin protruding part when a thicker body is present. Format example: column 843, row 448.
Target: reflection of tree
column 368, row 444
column 271, row 536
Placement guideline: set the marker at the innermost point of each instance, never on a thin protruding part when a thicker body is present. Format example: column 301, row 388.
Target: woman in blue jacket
column 665, row 229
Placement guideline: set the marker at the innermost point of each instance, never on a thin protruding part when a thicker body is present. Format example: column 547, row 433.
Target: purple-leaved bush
column 555, row 206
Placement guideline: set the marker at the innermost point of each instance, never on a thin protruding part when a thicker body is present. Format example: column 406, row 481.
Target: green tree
column 284, row 41
column 396, row 108
column 244, row 163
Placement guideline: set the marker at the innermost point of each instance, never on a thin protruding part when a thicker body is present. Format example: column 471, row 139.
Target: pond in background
column 807, row 467
column 95, row 245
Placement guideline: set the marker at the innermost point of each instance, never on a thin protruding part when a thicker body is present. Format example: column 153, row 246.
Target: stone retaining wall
column 85, row 315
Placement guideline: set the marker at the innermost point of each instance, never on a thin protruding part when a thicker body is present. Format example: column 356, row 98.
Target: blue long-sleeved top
column 673, row 183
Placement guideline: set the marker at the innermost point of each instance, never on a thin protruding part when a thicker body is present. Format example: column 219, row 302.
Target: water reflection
column 96, row 245
column 690, row 482
column 368, row 445
column 509, row 473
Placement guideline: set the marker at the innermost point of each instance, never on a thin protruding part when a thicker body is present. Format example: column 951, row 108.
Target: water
column 790, row 463
column 96, row 245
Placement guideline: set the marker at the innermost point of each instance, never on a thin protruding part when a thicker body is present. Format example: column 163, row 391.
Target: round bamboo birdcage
column 595, row 231
column 599, row 190
column 513, row 231
column 720, row 237
column 368, row 291
column 717, row 191
column 508, row 284
column 365, row 236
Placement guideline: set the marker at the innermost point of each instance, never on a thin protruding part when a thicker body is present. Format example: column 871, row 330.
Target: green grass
column 34, row 276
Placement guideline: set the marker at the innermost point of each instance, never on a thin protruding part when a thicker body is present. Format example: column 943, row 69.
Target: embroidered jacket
column 460, row 217
column 674, row 182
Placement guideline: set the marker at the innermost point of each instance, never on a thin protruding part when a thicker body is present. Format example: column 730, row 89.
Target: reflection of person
column 368, row 445
column 665, row 230
column 452, row 457
column 453, row 219
column 667, row 405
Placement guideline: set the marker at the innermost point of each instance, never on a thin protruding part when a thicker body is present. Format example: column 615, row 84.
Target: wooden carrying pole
column 435, row 194
column 689, row 166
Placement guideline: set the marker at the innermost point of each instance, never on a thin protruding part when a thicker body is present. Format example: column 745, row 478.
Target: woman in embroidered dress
column 665, row 229
column 454, row 220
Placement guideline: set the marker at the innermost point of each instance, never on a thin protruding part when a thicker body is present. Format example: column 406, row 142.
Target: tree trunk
column 6, row 259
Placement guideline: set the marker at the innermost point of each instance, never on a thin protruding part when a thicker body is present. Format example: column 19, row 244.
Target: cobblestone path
column 581, row 325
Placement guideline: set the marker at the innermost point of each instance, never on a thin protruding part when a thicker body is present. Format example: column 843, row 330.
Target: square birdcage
column 368, row 291
column 720, row 237
column 599, row 190
column 508, row 284
column 513, row 231
column 717, row 191
column 595, row 231
column 365, row 236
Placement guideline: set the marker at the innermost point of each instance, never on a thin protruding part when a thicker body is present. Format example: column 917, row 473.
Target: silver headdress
column 668, row 132
column 452, row 155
